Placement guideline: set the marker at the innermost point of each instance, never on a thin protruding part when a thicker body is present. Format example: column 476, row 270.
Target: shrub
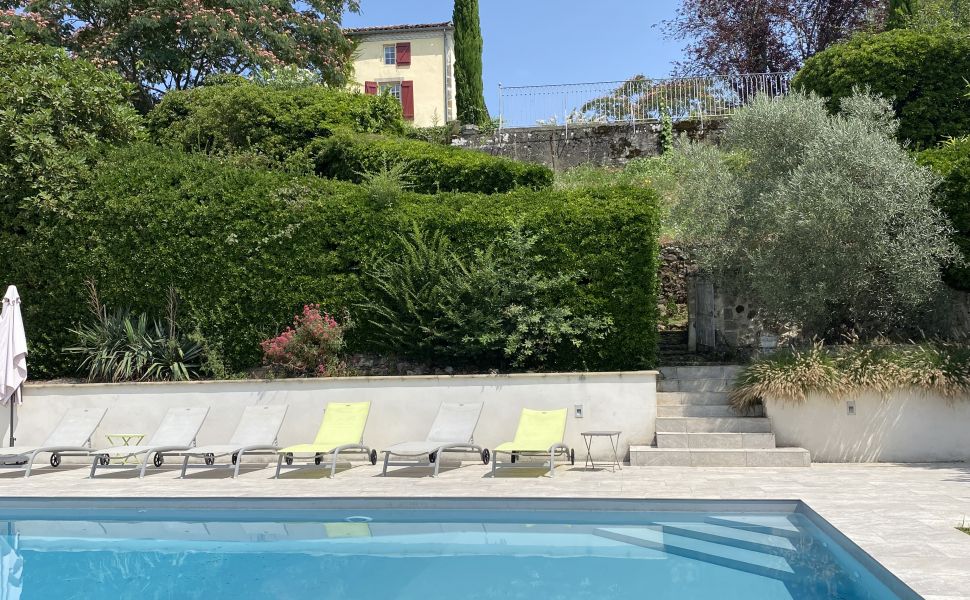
column 247, row 247
column 922, row 72
column 121, row 346
column 952, row 161
column 824, row 220
column 52, row 109
column 433, row 167
column 837, row 371
column 492, row 307
column 273, row 120
column 311, row 346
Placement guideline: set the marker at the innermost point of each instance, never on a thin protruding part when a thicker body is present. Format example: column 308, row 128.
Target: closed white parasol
column 13, row 353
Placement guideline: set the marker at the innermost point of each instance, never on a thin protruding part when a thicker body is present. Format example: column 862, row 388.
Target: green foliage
column 121, row 346
column 274, row 120
column 157, row 45
column 793, row 374
column 469, row 90
column 491, row 307
column 247, row 247
column 899, row 12
column 952, row 161
column 431, row 167
column 52, row 109
column 937, row 15
column 824, row 220
column 924, row 73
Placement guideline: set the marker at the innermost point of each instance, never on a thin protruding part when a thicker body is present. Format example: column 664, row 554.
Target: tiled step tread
column 694, row 385
column 711, row 410
column 692, row 398
column 701, row 372
column 713, row 425
column 751, row 441
column 770, row 524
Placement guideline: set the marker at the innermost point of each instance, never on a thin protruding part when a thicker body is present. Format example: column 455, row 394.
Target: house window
column 393, row 89
column 390, row 54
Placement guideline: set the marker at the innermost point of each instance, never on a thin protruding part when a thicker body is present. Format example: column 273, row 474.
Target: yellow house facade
column 413, row 63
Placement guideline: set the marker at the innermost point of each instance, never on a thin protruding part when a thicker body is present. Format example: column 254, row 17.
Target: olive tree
column 824, row 219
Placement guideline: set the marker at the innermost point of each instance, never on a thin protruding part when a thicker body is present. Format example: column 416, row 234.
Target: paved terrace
column 905, row 516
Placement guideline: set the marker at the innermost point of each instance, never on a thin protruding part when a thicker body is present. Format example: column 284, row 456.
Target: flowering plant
column 311, row 346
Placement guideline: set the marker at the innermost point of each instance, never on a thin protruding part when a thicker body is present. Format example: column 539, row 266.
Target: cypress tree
column 468, row 63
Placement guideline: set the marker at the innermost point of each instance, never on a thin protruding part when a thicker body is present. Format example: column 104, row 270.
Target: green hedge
column 952, row 161
column 241, row 115
column 924, row 73
column 246, row 247
column 430, row 167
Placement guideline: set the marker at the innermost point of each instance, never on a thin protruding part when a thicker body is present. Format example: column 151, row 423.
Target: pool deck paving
column 904, row 516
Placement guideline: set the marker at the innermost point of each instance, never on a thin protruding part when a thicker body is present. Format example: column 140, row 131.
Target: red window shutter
column 370, row 87
column 404, row 54
column 407, row 99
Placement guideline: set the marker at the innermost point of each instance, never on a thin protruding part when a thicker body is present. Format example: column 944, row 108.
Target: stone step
column 649, row 456
column 737, row 441
column 731, row 536
column 713, row 425
column 694, row 385
column 692, row 398
column 701, row 372
column 779, row 525
column 719, row 410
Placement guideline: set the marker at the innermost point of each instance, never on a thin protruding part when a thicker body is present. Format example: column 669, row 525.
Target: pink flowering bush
column 311, row 346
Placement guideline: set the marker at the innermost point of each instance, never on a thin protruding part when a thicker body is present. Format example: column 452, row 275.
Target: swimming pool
column 429, row 549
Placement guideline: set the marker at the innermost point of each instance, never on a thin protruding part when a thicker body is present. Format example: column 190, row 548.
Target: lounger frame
column 435, row 464
column 236, row 460
column 318, row 458
column 554, row 451
column 275, row 416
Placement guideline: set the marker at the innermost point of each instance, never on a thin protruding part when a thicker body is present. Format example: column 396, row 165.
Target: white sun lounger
column 453, row 430
column 176, row 433
column 256, row 434
column 71, row 437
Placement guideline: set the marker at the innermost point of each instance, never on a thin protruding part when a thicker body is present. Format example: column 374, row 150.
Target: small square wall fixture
column 850, row 407
column 578, row 413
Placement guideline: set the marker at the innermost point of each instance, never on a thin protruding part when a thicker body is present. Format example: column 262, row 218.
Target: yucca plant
column 123, row 346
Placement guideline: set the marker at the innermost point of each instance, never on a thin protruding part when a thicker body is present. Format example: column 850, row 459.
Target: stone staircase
column 696, row 427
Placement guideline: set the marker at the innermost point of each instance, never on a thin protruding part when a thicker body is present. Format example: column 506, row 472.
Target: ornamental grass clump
column 313, row 345
column 851, row 369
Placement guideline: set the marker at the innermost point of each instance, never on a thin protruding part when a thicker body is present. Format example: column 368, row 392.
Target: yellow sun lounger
column 342, row 431
column 540, row 433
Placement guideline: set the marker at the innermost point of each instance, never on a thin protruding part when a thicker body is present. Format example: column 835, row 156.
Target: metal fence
column 634, row 100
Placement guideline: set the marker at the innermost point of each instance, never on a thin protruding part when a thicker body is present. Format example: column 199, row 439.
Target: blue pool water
column 428, row 550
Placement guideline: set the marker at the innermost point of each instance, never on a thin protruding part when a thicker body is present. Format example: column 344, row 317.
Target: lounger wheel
column 432, row 457
column 55, row 460
column 514, row 458
column 235, row 458
column 373, row 457
column 210, row 459
column 572, row 456
column 103, row 460
column 317, row 459
column 288, row 458
column 158, row 459
column 486, row 456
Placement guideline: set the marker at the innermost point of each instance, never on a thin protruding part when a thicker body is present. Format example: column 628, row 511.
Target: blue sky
column 551, row 41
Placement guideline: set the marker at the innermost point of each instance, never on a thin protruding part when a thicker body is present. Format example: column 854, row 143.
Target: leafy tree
column 762, row 36
column 468, row 63
column 952, row 161
column 923, row 73
column 160, row 45
column 53, row 109
column 937, row 15
column 900, row 11
column 824, row 219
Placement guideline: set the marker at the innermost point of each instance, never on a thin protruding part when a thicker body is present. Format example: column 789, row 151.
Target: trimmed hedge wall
column 430, row 167
column 952, row 161
column 246, row 247
column 239, row 115
column 924, row 73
